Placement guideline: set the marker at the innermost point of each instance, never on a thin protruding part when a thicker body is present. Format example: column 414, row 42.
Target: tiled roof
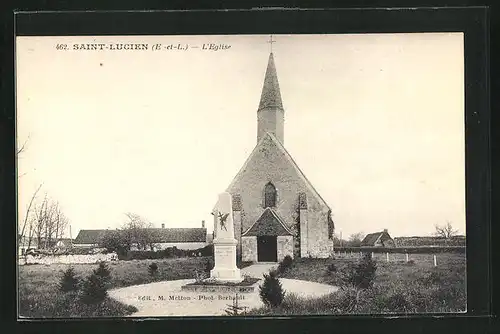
column 159, row 235
column 269, row 223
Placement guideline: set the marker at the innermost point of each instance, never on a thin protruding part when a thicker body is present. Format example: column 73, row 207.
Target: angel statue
column 222, row 220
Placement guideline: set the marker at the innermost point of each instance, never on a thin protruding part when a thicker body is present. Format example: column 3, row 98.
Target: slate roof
column 271, row 95
column 160, row 235
column 372, row 238
column 179, row 234
column 269, row 223
column 89, row 236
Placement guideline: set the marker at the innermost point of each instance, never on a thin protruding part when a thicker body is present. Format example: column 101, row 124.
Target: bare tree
column 138, row 230
column 445, row 231
column 56, row 223
column 27, row 215
column 47, row 224
column 355, row 239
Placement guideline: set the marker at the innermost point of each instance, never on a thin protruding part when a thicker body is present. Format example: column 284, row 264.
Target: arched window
column 269, row 195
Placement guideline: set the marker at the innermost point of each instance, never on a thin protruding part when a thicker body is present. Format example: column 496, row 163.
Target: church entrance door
column 267, row 249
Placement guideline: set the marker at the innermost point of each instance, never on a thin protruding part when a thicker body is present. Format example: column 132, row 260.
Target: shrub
column 103, row 272
column 271, row 292
column 69, row 281
column 94, row 290
column 285, row 264
column 153, row 269
column 362, row 274
column 332, row 268
column 209, row 265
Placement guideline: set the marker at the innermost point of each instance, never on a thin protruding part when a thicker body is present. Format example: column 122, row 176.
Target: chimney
column 162, row 225
column 202, row 224
column 385, row 230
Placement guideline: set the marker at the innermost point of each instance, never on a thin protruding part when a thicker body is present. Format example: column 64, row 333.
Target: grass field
column 39, row 295
column 399, row 287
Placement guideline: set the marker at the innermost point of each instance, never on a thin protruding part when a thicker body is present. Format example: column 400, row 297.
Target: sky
column 375, row 121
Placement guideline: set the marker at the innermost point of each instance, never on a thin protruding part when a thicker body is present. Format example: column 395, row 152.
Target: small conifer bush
column 69, row 281
column 271, row 292
column 94, row 290
column 153, row 269
column 363, row 274
column 103, row 272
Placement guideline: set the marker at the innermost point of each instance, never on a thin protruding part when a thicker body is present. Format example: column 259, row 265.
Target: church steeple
column 271, row 95
column 270, row 115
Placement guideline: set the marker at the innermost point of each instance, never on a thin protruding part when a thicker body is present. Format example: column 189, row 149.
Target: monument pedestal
column 225, row 276
column 225, row 269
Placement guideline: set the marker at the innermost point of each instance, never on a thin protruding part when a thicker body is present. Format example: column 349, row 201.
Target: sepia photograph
column 240, row 175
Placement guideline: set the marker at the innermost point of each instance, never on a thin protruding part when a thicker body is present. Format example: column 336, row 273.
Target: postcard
column 240, row 175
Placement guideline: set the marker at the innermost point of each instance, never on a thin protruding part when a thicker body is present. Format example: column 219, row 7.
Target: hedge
column 169, row 252
column 409, row 250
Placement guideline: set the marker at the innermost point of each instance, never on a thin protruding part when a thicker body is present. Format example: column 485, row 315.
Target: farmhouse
column 161, row 238
column 379, row 239
column 276, row 210
column 89, row 238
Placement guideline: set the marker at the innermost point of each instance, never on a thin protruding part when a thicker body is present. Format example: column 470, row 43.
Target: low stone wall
column 68, row 259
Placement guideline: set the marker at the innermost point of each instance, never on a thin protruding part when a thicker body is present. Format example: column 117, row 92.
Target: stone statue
column 225, row 268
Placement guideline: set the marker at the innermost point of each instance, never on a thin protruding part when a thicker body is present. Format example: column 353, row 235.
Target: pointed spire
column 271, row 95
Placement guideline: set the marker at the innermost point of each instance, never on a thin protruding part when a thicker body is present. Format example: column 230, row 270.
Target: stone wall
column 285, row 247
column 319, row 245
column 249, row 249
column 68, row 259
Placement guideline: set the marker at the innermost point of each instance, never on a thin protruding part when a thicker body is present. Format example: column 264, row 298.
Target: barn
column 161, row 238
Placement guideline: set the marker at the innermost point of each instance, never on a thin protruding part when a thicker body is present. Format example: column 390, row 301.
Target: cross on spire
column 271, row 41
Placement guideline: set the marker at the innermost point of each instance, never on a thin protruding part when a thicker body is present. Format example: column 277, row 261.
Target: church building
column 276, row 210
